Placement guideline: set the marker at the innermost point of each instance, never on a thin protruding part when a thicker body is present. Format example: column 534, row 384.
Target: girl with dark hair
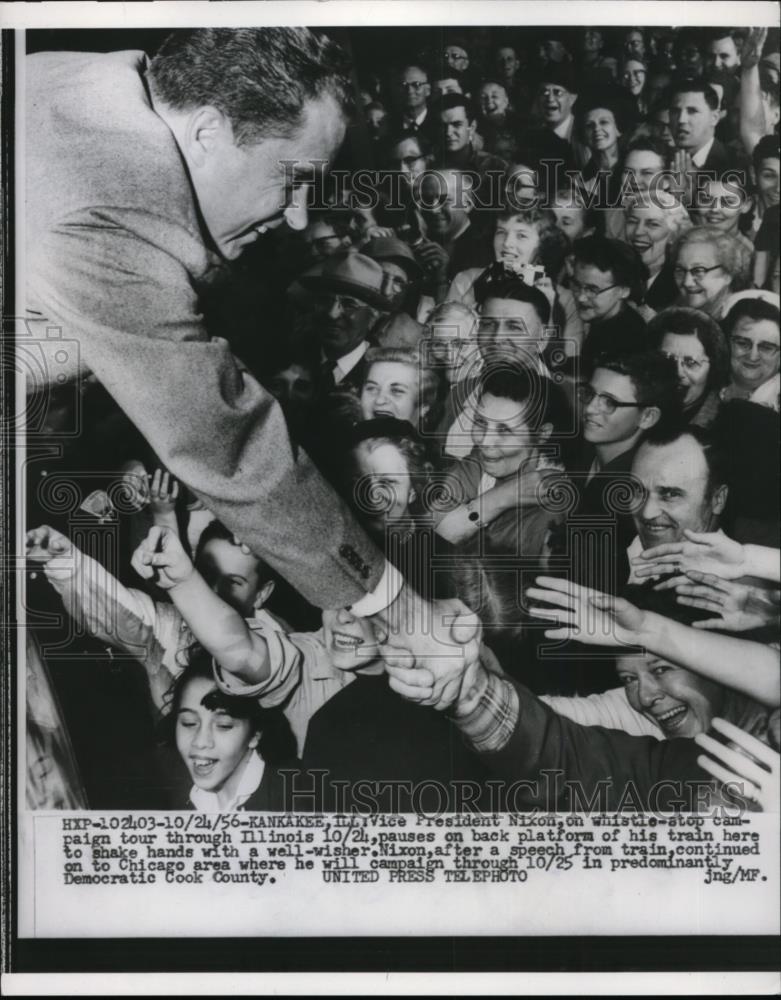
column 232, row 748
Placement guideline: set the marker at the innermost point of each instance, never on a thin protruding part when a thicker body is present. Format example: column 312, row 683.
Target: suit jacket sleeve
column 117, row 282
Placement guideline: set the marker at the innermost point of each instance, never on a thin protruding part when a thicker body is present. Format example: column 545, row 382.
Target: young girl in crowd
column 231, row 747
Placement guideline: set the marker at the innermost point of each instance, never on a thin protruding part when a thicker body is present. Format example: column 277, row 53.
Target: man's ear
column 254, row 741
column 719, row 499
column 263, row 595
column 649, row 416
column 625, row 293
column 207, row 128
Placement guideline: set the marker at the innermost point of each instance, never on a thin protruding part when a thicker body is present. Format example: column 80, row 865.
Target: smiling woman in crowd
column 752, row 325
column 398, row 384
column 652, row 224
column 699, row 348
column 708, row 266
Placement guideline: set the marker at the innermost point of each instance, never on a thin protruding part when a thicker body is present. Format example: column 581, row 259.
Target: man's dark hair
column 217, row 530
column 695, row 85
column 738, row 36
column 260, row 78
column 655, row 378
column 768, row 148
column 687, row 322
column 448, row 101
column 715, row 455
column 616, row 256
column 503, row 287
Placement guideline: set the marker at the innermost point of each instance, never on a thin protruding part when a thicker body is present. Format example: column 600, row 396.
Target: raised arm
column 599, row 619
column 217, row 627
column 752, row 115
column 122, row 284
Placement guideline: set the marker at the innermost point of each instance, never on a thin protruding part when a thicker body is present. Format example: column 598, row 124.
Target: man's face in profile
column 243, row 191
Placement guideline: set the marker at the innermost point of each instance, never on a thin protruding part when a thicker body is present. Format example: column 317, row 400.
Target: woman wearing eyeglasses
column 699, row 349
column 707, row 267
column 752, row 325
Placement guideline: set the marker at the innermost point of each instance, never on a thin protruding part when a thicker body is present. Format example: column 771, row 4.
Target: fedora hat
column 349, row 273
column 390, row 248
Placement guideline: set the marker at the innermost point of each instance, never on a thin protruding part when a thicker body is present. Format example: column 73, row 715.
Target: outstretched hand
column 705, row 552
column 753, row 766
column 736, row 606
column 586, row 615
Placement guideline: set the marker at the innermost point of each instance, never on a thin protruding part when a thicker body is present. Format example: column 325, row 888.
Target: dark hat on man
column 389, row 248
column 560, row 75
column 349, row 273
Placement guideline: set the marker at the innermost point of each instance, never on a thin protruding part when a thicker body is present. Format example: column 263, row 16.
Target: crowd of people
column 524, row 344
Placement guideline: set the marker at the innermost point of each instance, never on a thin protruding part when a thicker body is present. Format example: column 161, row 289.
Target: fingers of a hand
column 709, row 579
column 656, row 569
column 565, row 586
column 552, row 597
column 560, row 633
column 140, row 564
column 561, row 616
column 153, row 537
column 465, row 627
column 733, row 759
column 660, row 551
column 395, row 656
column 719, row 773
column 174, row 489
column 410, row 675
column 673, row 583
column 700, row 590
column 743, row 739
column 410, row 692
column 699, row 602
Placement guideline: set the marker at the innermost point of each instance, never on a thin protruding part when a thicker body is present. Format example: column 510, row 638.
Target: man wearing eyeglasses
column 347, row 302
column 413, row 91
column 623, row 399
column 556, row 138
column 608, row 273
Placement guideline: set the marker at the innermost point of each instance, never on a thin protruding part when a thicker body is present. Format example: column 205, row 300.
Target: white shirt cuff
column 383, row 595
